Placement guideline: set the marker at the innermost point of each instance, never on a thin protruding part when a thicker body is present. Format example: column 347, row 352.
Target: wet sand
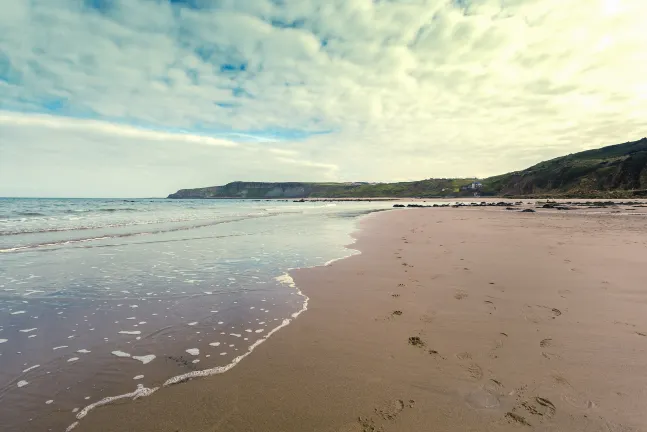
column 470, row 319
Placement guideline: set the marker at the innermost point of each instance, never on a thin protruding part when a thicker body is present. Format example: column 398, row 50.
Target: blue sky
column 143, row 97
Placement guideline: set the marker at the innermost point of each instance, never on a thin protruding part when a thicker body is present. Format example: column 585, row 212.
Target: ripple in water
column 80, row 322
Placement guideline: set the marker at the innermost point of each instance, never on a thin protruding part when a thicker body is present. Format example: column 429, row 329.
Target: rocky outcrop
column 248, row 190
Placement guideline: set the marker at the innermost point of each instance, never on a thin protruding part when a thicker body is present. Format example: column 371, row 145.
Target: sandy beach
column 466, row 319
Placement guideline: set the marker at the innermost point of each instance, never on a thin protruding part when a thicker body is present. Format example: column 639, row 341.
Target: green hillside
column 613, row 171
column 257, row 190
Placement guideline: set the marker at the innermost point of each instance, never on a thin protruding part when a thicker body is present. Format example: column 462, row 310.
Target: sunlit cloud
column 378, row 90
column 115, row 130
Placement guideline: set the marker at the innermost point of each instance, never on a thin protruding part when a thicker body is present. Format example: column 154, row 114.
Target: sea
column 112, row 299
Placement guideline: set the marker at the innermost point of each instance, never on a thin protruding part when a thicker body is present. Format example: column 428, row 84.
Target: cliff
column 258, row 190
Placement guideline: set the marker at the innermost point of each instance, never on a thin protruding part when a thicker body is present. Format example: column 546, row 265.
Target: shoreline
column 353, row 364
column 285, row 279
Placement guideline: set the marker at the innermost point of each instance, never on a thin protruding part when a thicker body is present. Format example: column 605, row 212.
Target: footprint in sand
column 368, row 425
column 427, row 318
column 541, row 409
column 577, row 400
column 464, row 356
column 547, row 407
column 460, row 295
column 539, row 313
column 474, row 371
column 498, row 344
column 544, row 343
column 495, row 387
column 390, row 410
column 551, row 356
column 490, row 306
column 563, row 292
column 516, row 418
column 571, row 396
column 482, row 399
column 436, row 354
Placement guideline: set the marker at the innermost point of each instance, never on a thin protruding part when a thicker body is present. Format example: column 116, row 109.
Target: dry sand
column 470, row 319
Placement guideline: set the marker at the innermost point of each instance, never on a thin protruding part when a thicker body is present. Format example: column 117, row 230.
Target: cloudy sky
column 143, row 97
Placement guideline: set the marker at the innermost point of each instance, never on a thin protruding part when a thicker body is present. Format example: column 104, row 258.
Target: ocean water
column 101, row 298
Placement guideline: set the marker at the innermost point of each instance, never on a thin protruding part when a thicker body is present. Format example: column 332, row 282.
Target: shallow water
column 100, row 296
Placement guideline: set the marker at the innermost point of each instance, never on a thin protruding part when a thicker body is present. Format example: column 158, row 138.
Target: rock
column 528, row 211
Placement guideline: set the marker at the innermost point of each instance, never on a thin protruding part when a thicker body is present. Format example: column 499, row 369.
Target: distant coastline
column 613, row 172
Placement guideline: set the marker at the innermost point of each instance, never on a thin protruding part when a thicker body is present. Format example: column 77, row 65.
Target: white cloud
column 114, row 130
column 411, row 89
column 75, row 158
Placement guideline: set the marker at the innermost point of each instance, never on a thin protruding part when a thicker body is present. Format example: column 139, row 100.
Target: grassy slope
column 618, row 170
column 423, row 188
column 613, row 170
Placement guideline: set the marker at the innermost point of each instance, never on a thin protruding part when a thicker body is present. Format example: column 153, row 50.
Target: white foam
column 49, row 402
column 32, row 336
column 235, row 335
column 214, row 344
column 22, row 383
column 18, row 312
column 59, row 347
column 73, row 359
column 259, row 331
column 83, row 351
column 195, row 361
column 120, row 354
column 286, row 279
column 145, row 359
column 142, row 391
column 28, row 330
column 192, row 323
column 193, row 351
column 30, row 368
column 138, row 377
column 133, row 332
column 4, row 340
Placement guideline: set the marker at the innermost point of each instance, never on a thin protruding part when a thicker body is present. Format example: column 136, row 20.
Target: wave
column 142, row 391
column 126, row 209
column 135, row 234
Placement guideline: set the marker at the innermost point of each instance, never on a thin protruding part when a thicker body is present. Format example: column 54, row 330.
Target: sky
column 124, row 98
